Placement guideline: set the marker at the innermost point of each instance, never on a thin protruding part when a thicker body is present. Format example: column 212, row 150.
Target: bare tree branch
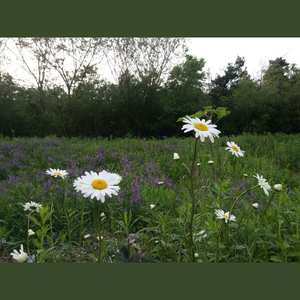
column 145, row 58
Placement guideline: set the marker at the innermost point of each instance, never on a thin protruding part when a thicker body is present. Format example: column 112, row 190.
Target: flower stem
column 193, row 210
column 28, row 225
column 240, row 196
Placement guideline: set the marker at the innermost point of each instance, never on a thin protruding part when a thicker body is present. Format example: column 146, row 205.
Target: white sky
column 217, row 52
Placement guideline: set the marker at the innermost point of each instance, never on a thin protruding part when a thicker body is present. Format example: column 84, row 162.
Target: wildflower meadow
column 200, row 198
column 138, row 149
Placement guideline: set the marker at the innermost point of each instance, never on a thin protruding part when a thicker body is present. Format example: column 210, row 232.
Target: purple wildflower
column 135, row 191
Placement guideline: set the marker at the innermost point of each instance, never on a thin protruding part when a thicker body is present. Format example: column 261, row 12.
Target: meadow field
column 149, row 220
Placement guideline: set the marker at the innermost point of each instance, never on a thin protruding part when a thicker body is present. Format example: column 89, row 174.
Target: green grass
column 133, row 232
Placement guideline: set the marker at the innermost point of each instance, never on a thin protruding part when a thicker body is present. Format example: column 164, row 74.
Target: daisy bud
column 30, row 232
column 210, row 162
column 196, row 255
column 255, row 205
column 152, row 206
column 176, row 156
column 277, row 187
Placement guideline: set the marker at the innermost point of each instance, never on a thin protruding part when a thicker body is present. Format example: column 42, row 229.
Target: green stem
column 192, row 193
column 28, row 225
column 99, row 230
column 240, row 196
column 82, row 220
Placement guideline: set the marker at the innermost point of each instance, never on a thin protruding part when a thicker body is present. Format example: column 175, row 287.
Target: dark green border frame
column 212, row 18
column 150, row 18
column 150, row 281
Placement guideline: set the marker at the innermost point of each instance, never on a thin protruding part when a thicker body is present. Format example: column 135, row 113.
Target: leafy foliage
column 143, row 107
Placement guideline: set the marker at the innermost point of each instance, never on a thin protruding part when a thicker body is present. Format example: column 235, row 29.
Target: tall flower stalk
column 194, row 202
column 202, row 129
column 98, row 186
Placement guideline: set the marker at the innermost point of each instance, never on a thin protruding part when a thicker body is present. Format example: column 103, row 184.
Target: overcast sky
column 217, row 52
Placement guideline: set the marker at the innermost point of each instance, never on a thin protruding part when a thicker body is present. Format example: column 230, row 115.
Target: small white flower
column 98, row 185
column 277, row 187
column 86, row 236
column 176, row 156
column 198, row 164
column 30, row 232
column 152, row 206
column 196, row 255
column 227, row 216
column 263, row 183
column 203, row 129
column 160, row 182
column 210, row 162
column 199, row 236
column 20, row 256
column 100, row 237
column 255, row 205
column 57, row 173
column 234, row 149
column 32, row 206
column 102, row 215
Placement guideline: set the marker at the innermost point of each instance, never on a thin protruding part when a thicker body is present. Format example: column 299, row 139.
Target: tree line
column 150, row 93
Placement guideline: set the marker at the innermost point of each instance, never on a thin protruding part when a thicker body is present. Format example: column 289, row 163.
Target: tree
column 278, row 75
column 188, row 74
column 148, row 59
column 184, row 92
column 34, row 54
column 74, row 59
column 223, row 85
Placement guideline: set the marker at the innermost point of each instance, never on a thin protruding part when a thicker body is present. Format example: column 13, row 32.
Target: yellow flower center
column 57, row 174
column 99, row 184
column 201, row 126
column 235, row 148
column 227, row 216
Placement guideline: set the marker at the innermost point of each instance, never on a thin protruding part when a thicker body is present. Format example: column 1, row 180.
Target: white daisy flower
column 210, row 162
column 277, row 187
column 176, row 156
column 203, row 129
column 57, row 173
column 32, row 206
column 20, row 256
column 152, row 206
column 30, row 232
column 227, row 216
column 255, row 205
column 98, row 185
column 234, row 149
column 263, row 183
